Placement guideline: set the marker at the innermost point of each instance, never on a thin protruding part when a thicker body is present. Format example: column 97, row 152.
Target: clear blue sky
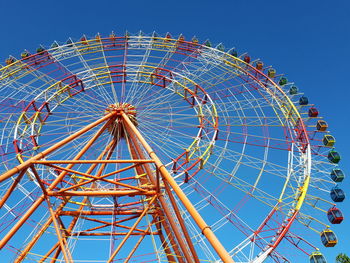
column 307, row 40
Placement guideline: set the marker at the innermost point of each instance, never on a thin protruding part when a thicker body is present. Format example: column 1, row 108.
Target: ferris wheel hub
column 116, row 128
column 129, row 109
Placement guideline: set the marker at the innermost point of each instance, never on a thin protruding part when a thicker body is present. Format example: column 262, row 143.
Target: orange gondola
column 321, row 125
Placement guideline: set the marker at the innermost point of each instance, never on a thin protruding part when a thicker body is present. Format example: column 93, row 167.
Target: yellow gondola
column 328, row 140
column 195, row 40
column 328, row 238
column 317, row 257
column 271, row 73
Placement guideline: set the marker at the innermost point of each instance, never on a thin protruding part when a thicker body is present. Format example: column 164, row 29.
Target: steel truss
column 152, row 184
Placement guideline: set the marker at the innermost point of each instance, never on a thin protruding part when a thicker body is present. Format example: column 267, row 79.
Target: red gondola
column 246, row 59
column 335, row 216
column 83, row 40
column 313, row 112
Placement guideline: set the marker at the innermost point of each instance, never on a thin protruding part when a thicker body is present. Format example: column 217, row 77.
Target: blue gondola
column 337, row 194
column 154, row 35
column 303, row 100
column 69, row 43
column 337, row 175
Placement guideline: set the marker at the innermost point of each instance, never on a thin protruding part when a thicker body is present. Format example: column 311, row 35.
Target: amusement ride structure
column 147, row 148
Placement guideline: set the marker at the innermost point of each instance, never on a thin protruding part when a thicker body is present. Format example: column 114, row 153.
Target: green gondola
column 293, row 90
column 334, row 156
column 207, row 43
column 283, row 81
column 233, row 52
column 40, row 49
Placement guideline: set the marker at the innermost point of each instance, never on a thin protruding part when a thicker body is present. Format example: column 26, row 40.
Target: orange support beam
column 30, row 245
column 131, row 230
column 174, row 227
column 148, row 185
column 12, row 188
column 107, row 192
column 53, row 148
column 37, row 157
column 205, row 229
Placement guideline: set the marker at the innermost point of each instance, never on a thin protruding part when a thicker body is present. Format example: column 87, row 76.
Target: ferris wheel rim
column 292, row 114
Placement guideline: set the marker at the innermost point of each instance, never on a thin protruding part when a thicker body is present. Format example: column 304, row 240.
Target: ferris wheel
column 148, row 148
